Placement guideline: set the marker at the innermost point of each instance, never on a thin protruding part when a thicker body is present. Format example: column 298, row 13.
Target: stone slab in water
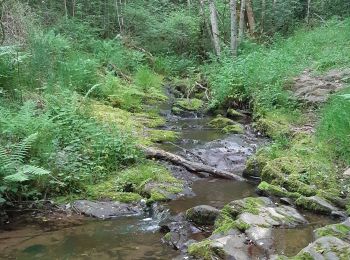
column 105, row 210
column 202, row 215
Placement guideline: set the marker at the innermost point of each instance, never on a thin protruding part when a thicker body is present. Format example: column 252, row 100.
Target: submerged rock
column 202, row 215
column 105, row 210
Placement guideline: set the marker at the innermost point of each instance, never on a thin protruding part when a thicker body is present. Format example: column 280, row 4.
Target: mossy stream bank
column 139, row 236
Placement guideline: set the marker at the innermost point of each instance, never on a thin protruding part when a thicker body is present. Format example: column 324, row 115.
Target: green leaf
column 2, row 200
column 17, row 177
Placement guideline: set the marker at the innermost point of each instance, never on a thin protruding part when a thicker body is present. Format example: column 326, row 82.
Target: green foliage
column 261, row 75
column 14, row 170
column 334, row 128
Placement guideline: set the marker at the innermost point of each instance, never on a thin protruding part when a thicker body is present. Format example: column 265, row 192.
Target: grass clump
column 204, row 250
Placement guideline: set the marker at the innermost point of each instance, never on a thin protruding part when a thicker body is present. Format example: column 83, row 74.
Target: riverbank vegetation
column 81, row 81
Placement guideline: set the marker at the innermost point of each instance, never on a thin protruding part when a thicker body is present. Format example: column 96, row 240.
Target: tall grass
column 262, row 74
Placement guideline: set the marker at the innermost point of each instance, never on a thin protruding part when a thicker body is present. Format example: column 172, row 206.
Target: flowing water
column 138, row 237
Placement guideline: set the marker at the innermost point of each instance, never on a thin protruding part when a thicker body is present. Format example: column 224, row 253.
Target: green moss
column 156, row 196
column 234, row 113
column 204, row 250
column 159, row 136
column 274, row 190
column 340, row 231
column 275, row 124
column 302, row 256
column 309, row 204
column 177, row 110
column 193, row 104
column 221, row 122
column 167, row 236
column 233, row 129
column 256, row 163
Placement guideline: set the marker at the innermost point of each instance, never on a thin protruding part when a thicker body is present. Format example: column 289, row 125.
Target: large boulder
column 202, row 215
column 106, row 210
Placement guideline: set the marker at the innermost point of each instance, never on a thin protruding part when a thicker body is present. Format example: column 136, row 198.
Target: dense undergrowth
column 85, row 97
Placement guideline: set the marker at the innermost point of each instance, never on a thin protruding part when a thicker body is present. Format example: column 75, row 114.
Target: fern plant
column 13, row 169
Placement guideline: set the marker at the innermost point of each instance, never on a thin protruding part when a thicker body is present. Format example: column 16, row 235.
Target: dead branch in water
column 190, row 166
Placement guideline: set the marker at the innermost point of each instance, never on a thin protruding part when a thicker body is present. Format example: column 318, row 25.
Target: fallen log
column 190, row 166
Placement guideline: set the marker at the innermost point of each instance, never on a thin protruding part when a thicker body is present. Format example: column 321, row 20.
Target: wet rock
column 3, row 217
column 287, row 201
column 261, row 237
column 178, row 231
column 341, row 231
column 327, row 247
column 262, row 212
column 105, row 210
column 316, row 204
column 229, row 154
column 338, row 214
column 202, row 215
column 226, row 247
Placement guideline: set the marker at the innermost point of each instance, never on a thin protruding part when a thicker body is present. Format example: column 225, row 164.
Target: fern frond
column 5, row 161
column 17, row 177
column 21, row 149
column 33, row 171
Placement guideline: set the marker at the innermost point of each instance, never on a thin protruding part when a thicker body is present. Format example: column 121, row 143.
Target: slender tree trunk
column 263, row 7
column 65, row 8
column 215, row 27
column 73, row 8
column 204, row 18
column 250, row 16
column 241, row 21
column 308, row 11
column 118, row 8
column 233, row 11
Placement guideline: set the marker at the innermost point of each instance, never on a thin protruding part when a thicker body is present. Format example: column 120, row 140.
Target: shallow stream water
column 138, row 237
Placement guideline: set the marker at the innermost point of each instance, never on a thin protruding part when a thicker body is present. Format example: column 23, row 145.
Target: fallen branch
column 190, row 166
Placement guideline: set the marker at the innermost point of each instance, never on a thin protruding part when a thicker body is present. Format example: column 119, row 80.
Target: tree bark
column 263, row 7
column 250, row 16
column 233, row 11
column 241, row 21
column 190, row 166
column 214, row 27
column 308, row 11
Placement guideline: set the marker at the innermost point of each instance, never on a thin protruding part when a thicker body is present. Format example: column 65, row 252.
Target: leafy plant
column 14, row 169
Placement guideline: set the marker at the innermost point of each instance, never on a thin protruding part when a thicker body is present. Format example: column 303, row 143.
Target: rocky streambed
column 210, row 219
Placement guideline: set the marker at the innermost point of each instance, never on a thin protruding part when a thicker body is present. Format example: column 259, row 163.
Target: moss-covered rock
column 220, row 122
column 274, row 190
column 202, row 215
column 341, row 231
column 255, row 164
column 316, row 204
column 234, row 113
column 159, row 136
column 189, row 104
column 204, row 250
column 233, row 129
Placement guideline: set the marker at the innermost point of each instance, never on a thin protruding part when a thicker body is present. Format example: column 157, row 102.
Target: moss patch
column 233, row 129
column 340, row 231
column 191, row 104
column 221, row 122
column 203, row 250
column 274, row 190
column 159, row 136
column 234, row 113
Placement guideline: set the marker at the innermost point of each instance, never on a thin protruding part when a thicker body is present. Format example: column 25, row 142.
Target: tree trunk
column 65, row 8
column 250, row 16
column 241, row 21
column 119, row 17
column 190, row 166
column 214, row 27
column 308, row 11
column 263, row 7
column 233, row 11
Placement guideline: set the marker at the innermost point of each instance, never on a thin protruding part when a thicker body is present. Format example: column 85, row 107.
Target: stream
column 139, row 237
